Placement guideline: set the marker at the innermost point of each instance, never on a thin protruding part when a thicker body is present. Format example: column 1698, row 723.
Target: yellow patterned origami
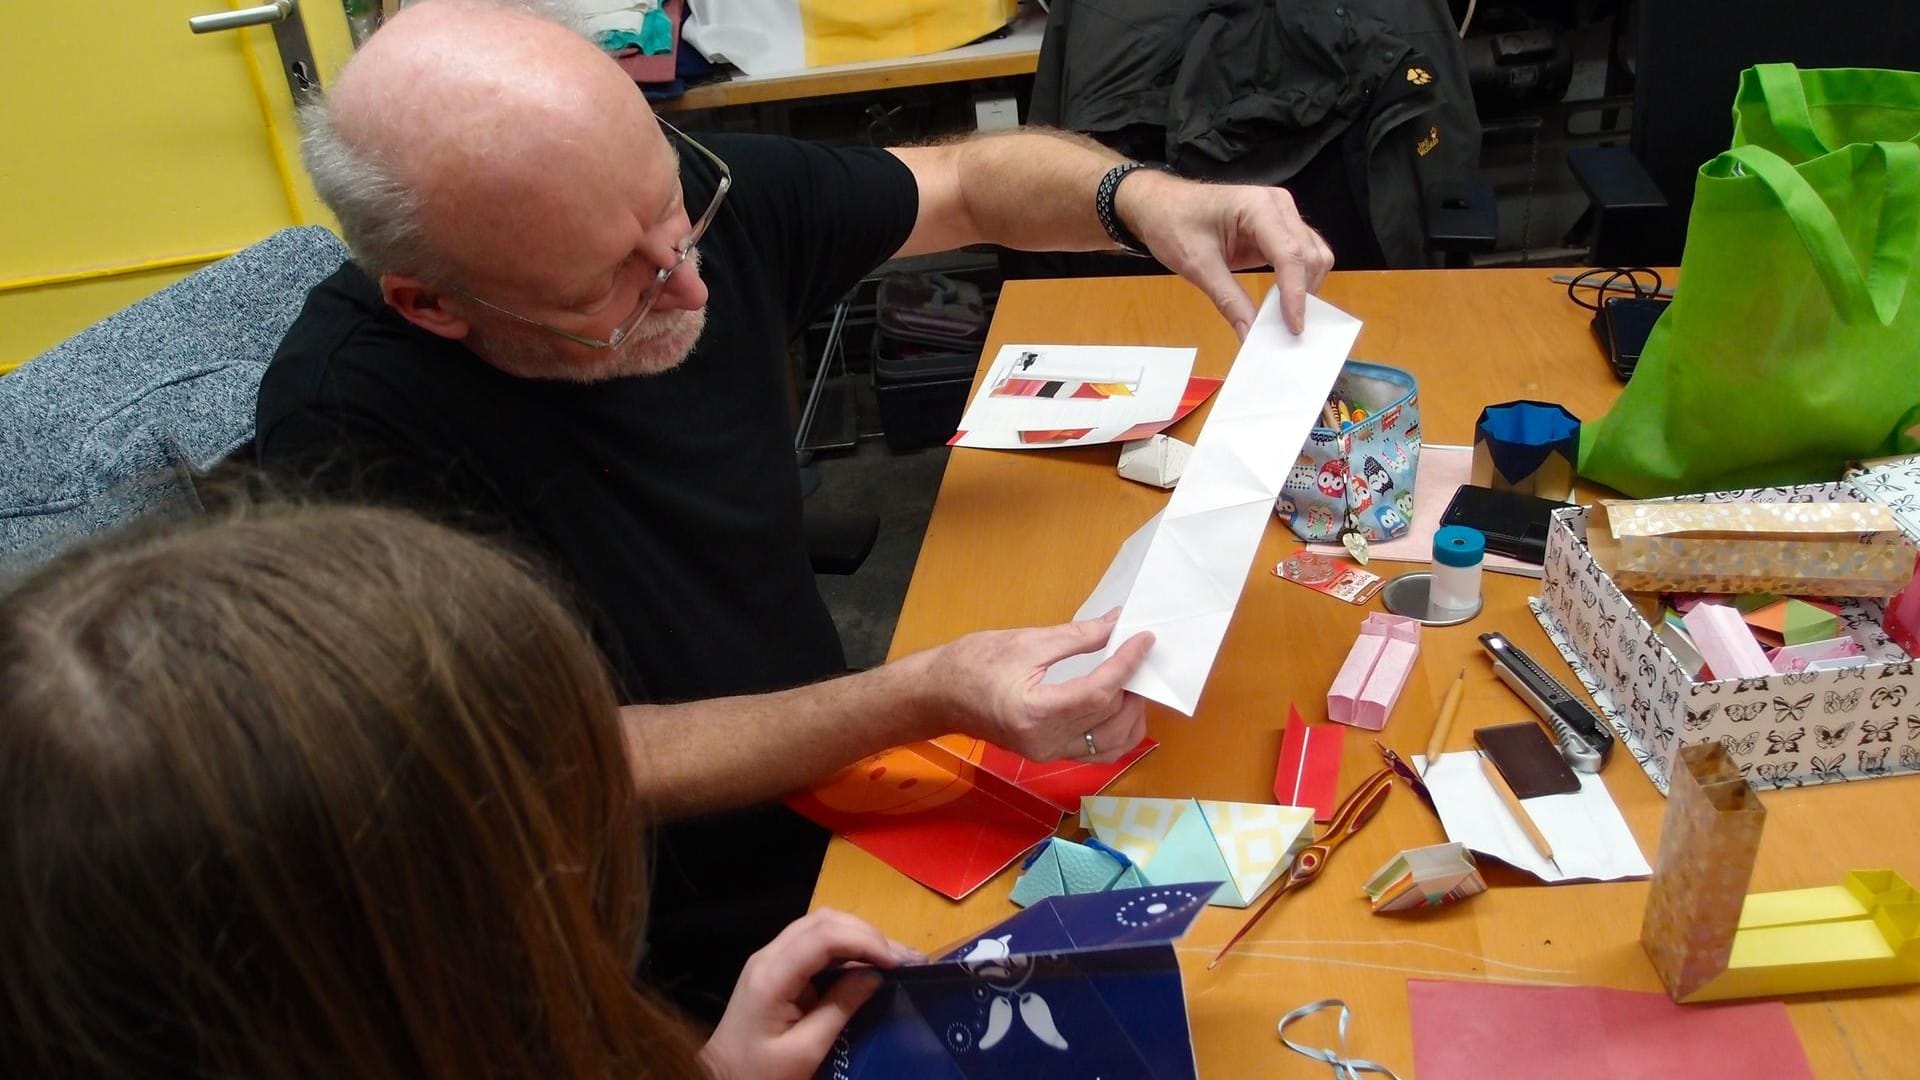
column 1246, row 845
column 1865, row 932
column 1798, row 549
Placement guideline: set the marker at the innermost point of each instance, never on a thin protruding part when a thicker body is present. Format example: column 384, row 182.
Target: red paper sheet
column 952, row 812
column 1472, row 1030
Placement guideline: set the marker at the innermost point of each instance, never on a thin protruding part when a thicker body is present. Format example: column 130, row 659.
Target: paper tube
column 1708, row 842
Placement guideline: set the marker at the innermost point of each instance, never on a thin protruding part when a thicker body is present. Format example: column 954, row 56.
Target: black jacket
column 1351, row 102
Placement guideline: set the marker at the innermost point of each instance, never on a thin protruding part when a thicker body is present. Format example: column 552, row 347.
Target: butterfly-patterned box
column 1785, row 730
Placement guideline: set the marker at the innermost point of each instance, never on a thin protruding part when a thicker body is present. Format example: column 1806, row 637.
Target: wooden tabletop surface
column 1020, row 538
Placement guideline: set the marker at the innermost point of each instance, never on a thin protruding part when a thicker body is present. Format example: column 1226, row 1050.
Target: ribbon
column 1344, row 1067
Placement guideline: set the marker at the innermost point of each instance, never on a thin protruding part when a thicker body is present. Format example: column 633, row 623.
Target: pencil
column 1443, row 723
column 1518, row 810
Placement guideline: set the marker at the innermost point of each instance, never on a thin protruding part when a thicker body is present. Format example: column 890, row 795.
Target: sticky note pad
column 1528, row 760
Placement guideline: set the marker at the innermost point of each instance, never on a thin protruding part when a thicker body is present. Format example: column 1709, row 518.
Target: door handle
column 289, row 36
column 271, row 12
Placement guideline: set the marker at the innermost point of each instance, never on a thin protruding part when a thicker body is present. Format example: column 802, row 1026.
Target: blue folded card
column 1075, row 985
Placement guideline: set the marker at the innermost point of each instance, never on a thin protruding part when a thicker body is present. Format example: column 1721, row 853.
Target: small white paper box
column 1158, row 460
column 1812, row 727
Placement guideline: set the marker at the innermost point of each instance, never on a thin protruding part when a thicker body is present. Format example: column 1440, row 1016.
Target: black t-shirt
column 670, row 503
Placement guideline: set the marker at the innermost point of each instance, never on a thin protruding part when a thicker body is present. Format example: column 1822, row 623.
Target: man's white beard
column 659, row 343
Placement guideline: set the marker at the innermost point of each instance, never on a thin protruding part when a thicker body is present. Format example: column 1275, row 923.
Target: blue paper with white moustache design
column 1364, row 472
column 1082, row 985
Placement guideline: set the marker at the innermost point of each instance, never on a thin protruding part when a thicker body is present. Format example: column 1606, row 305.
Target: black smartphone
column 1515, row 525
column 1621, row 326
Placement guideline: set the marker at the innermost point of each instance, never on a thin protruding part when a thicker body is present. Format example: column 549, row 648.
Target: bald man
column 565, row 323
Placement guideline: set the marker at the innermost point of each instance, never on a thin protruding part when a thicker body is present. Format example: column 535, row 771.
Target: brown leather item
column 1528, row 759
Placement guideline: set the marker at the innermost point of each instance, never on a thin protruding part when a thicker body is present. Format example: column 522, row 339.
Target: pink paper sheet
column 1473, row 1030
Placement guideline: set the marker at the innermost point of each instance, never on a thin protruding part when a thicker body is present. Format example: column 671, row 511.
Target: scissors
column 1353, row 812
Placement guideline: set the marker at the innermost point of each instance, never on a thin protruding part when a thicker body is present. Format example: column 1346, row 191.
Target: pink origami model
column 1724, row 639
column 1369, row 683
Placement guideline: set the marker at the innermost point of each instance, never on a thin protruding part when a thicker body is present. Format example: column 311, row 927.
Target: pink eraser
column 1724, row 639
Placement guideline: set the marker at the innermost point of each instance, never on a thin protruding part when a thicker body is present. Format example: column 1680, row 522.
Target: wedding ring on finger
column 1092, row 749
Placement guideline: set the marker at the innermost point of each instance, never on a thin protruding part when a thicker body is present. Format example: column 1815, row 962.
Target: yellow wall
column 132, row 142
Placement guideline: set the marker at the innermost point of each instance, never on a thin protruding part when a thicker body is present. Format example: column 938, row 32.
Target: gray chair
column 106, row 425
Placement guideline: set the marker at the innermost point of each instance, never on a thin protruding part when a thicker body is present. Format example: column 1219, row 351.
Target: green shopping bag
column 1793, row 341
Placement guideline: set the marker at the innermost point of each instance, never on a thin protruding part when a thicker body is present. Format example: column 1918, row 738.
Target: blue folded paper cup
column 1526, row 446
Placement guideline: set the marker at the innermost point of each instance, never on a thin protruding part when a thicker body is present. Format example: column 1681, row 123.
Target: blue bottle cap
column 1458, row 545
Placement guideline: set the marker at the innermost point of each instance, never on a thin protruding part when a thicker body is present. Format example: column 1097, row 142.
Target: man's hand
column 776, row 1025
column 1204, row 232
column 992, row 683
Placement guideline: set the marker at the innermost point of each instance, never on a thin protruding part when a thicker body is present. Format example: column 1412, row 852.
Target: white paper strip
column 1196, row 560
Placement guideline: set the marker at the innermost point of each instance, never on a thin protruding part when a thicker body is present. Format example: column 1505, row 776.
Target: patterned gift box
column 1781, row 731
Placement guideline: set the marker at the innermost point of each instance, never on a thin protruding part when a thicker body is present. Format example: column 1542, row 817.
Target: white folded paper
column 1063, row 380
column 1589, row 838
column 1193, row 557
column 1158, row 460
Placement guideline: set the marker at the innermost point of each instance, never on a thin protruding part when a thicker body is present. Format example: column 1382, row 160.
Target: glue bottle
column 1458, row 553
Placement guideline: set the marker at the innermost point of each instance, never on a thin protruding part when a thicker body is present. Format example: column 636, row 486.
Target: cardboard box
column 1809, row 727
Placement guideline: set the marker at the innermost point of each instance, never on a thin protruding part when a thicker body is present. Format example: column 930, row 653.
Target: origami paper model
column 1157, row 460
column 1376, row 669
column 1526, row 446
column 1309, row 770
column 1840, row 549
column 1247, row 846
column 1721, row 636
column 1818, row 655
column 1793, row 622
column 1063, row 868
column 1072, row 986
column 1710, row 941
column 1423, row 877
column 952, row 812
column 1180, row 574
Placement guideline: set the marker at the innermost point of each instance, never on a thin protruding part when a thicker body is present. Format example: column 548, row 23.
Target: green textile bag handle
column 1878, row 293
column 1785, row 97
column 1803, row 115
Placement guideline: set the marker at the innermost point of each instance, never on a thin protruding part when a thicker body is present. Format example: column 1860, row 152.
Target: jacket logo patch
column 1426, row 145
column 1419, row 76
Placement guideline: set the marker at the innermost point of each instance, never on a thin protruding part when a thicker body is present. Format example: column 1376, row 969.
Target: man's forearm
column 723, row 753
column 1031, row 189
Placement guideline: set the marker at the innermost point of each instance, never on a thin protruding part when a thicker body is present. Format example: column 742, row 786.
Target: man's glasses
column 682, row 252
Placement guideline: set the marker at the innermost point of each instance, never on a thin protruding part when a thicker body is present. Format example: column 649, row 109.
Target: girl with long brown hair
column 334, row 791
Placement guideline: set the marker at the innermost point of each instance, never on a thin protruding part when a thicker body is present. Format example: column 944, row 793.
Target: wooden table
column 1470, row 337
column 1018, row 53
